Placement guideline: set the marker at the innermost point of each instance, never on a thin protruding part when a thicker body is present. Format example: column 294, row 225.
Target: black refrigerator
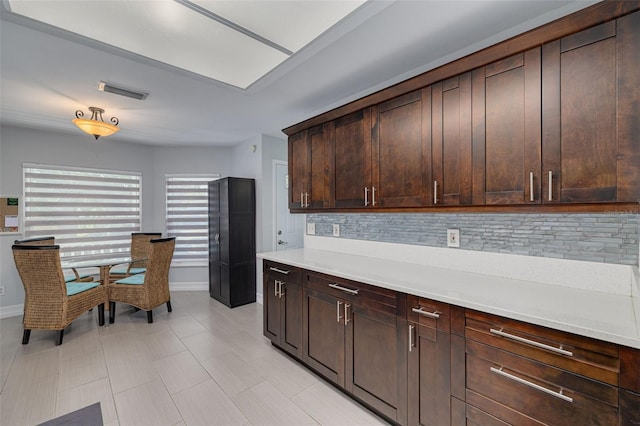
column 232, row 241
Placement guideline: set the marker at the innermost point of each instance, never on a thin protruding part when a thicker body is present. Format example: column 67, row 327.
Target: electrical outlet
column 336, row 230
column 1, row 290
column 311, row 229
column 453, row 238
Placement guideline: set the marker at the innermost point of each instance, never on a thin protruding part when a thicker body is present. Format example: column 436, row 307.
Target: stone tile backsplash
column 596, row 237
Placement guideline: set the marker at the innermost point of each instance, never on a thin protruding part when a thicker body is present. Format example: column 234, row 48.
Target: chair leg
column 59, row 337
column 25, row 336
column 101, row 314
column 169, row 306
column 150, row 317
column 112, row 312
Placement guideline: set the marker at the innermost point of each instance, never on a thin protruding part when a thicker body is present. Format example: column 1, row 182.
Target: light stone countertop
column 610, row 317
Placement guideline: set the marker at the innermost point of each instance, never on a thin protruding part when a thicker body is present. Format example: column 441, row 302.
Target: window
column 91, row 212
column 188, row 216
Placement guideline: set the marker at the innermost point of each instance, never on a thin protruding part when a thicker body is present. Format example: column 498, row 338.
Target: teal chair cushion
column 79, row 287
column 72, row 277
column 121, row 270
column 132, row 280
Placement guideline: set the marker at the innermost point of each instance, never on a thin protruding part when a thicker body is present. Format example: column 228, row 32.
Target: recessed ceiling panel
column 167, row 32
column 291, row 24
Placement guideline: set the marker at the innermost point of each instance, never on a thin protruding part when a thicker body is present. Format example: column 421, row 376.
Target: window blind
column 187, row 216
column 91, row 212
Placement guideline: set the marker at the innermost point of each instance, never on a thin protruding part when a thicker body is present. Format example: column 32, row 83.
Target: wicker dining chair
column 140, row 247
column 50, row 303
column 49, row 241
column 150, row 289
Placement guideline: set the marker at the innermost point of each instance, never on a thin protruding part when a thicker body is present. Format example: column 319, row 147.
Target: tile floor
column 202, row 364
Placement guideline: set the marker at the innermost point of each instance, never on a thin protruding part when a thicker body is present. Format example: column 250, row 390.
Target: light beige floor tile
column 263, row 404
column 128, row 362
column 232, row 374
column 162, row 344
column 284, row 373
column 185, row 326
column 81, row 369
column 316, row 400
column 147, row 404
column 247, row 346
column 205, row 345
column 90, row 393
column 80, row 342
column 207, row 404
column 180, row 371
column 30, row 391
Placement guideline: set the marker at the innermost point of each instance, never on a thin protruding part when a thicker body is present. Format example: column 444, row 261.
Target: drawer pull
column 531, row 342
column 339, row 287
column 411, row 328
column 425, row 313
column 532, row 385
column 282, row 271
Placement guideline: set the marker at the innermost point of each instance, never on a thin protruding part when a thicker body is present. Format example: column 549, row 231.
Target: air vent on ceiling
column 110, row 88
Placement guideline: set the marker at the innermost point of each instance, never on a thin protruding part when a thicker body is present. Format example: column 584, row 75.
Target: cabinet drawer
column 367, row 296
column 588, row 357
column 281, row 271
column 542, row 392
column 428, row 313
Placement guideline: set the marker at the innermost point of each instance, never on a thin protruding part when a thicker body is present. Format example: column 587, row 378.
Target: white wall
column 20, row 145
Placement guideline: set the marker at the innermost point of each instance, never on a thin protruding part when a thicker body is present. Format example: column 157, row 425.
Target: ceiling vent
column 110, row 88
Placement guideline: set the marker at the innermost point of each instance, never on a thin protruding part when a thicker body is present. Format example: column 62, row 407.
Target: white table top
column 609, row 317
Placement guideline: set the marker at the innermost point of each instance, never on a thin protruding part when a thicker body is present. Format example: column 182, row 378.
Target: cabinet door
column 401, row 157
column 318, row 186
column 271, row 309
column 352, row 147
column 291, row 318
column 506, row 131
column 451, row 141
column 299, row 159
column 591, row 145
column 373, row 372
column 324, row 333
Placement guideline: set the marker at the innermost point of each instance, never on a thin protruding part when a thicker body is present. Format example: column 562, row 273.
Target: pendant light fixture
column 95, row 125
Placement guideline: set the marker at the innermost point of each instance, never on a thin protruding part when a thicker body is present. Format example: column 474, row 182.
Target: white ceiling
column 47, row 73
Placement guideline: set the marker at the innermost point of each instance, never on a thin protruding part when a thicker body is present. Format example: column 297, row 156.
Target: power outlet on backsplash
column 311, row 229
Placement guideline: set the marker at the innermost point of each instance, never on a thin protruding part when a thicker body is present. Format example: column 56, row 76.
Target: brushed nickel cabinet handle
column 281, row 271
column 302, row 200
column 435, row 192
column 275, row 288
column 338, row 310
column 530, row 186
column 411, row 328
column 345, row 289
column 421, row 311
column 346, row 313
column 530, row 342
column 550, row 185
column 306, row 199
column 366, row 196
column 502, row 373
column 373, row 195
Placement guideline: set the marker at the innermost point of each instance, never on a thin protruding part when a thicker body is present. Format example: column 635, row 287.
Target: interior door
column 289, row 227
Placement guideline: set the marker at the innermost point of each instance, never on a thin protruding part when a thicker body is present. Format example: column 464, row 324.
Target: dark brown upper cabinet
column 591, row 115
column 401, row 159
column 507, row 131
column 451, row 158
column 309, row 168
column 352, row 147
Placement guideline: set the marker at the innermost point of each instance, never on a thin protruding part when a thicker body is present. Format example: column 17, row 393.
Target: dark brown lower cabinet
column 429, row 355
column 353, row 337
column 282, row 312
column 417, row 361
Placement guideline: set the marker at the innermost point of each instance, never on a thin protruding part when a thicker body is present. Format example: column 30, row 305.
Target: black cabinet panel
column 232, row 247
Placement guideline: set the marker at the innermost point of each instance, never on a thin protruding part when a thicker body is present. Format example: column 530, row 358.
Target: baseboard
column 189, row 286
column 11, row 311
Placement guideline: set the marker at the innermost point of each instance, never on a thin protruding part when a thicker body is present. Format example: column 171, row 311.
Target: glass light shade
column 95, row 127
